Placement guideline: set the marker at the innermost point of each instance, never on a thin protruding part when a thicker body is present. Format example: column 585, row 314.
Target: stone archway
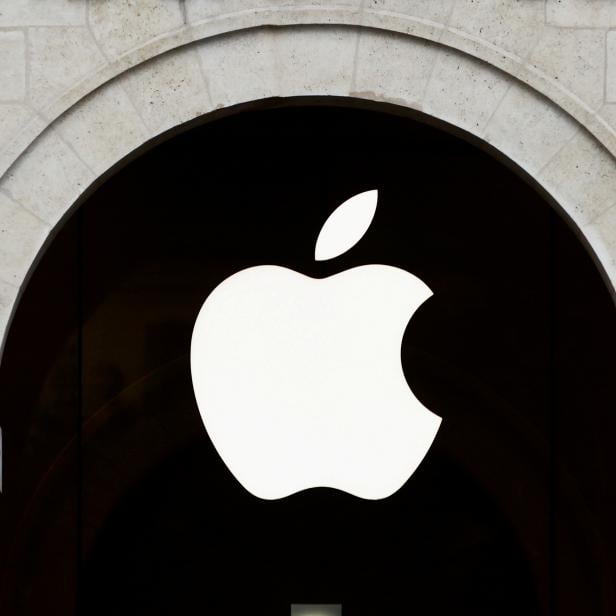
column 287, row 175
column 221, row 62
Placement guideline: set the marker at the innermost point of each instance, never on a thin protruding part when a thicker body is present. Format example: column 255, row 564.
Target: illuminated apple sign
column 299, row 380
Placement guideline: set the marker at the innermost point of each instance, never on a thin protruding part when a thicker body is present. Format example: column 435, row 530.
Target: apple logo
column 299, row 380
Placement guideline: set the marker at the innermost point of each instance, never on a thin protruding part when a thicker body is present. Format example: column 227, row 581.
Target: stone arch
column 339, row 52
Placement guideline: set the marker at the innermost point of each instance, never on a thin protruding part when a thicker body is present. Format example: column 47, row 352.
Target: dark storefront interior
column 114, row 499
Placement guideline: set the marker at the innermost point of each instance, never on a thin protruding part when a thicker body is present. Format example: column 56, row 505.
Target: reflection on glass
column 309, row 609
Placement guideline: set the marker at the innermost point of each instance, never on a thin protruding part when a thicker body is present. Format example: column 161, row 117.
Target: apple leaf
column 346, row 225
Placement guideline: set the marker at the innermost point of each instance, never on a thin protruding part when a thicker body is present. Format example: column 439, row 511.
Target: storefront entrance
column 115, row 500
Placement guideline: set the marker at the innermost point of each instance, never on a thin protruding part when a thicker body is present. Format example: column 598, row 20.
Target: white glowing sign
column 299, row 380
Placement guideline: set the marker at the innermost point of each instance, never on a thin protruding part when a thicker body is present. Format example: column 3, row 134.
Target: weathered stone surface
column 103, row 128
column 605, row 120
column 605, row 226
column 464, row 91
column 601, row 235
column 121, row 25
column 396, row 68
column 169, row 90
column 21, row 236
column 58, row 59
column 527, row 130
column 582, row 178
column 197, row 10
column 48, row 178
column 512, row 26
column 575, row 60
column 12, row 66
column 581, row 13
column 17, row 131
column 610, row 86
column 8, row 296
column 239, row 67
column 435, row 10
column 315, row 60
column 608, row 113
column 13, row 116
column 42, row 13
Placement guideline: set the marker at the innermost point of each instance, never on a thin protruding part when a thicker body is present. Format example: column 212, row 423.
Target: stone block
column 605, row 227
column 313, row 60
column 168, row 90
column 103, row 128
column 512, row 26
column 19, row 126
column 581, row 13
column 8, row 296
column 199, row 10
column 610, row 86
column 393, row 67
column 58, row 59
column 582, row 177
column 574, row 60
column 527, row 130
column 47, row 178
column 239, row 67
column 42, row 13
column 122, row 25
column 12, row 117
column 464, row 91
column 21, row 236
column 12, row 66
column 433, row 10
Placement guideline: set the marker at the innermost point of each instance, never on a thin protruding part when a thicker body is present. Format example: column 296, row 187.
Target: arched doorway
column 116, row 497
